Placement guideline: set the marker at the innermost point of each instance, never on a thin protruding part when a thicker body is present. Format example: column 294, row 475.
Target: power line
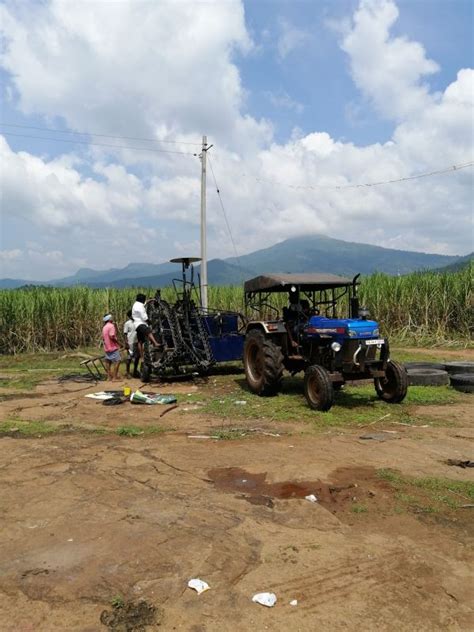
column 315, row 187
column 84, row 142
column 226, row 220
column 60, row 131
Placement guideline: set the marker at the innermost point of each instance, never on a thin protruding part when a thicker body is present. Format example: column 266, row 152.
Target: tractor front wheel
column 263, row 363
column 318, row 388
column 394, row 386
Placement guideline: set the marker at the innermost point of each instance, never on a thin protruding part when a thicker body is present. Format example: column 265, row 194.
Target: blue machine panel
column 227, row 348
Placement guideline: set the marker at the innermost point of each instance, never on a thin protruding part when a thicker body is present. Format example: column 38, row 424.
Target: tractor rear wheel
column 318, row 388
column 394, row 386
column 263, row 363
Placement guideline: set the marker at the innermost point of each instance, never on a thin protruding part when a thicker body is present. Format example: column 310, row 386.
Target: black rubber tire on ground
column 394, row 386
column 427, row 377
column 463, row 382
column 460, row 368
column 263, row 363
column 439, row 366
column 318, row 388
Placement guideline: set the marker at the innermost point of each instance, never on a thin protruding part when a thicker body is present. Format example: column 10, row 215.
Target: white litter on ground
column 294, row 602
column 240, row 402
column 101, row 395
column 265, row 599
column 198, row 585
column 312, row 498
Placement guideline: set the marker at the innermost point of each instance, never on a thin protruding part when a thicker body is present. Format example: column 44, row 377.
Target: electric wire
column 60, row 131
column 84, row 142
column 226, row 220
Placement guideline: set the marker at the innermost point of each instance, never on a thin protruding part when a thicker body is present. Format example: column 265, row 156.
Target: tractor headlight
column 335, row 346
column 352, row 333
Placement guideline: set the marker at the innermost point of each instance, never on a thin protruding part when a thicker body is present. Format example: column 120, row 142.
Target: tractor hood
column 346, row 327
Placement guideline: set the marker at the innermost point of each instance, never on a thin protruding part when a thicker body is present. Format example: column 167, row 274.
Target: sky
column 104, row 105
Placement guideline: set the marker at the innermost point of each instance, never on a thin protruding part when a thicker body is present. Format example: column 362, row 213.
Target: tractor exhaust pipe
column 355, row 298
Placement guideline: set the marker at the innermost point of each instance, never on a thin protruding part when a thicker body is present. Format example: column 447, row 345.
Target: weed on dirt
column 14, row 426
column 129, row 616
column 136, row 431
column 429, row 494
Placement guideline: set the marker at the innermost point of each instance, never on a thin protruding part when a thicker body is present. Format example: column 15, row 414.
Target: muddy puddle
column 347, row 486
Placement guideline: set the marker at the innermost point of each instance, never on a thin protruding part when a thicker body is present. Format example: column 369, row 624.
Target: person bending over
column 140, row 318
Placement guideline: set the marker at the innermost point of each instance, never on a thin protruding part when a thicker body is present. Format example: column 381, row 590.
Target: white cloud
column 104, row 215
column 158, row 68
column 388, row 70
column 290, row 38
column 282, row 99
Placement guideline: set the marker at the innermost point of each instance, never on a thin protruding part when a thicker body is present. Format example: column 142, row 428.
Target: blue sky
column 308, row 94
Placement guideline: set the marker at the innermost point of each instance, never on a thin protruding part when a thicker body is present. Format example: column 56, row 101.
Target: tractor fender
column 267, row 327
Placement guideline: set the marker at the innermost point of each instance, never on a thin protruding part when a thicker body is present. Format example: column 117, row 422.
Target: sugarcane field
column 109, row 510
column 236, row 316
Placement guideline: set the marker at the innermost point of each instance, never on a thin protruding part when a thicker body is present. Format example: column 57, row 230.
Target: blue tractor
column 191, row 340
column 307, row 335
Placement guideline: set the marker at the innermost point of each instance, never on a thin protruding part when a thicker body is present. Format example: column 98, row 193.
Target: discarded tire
column 427, row 377
column 439, row 366
column 463, row 382
column 460, row 367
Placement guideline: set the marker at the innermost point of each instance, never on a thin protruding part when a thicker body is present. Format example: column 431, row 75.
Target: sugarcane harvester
column 191, row 339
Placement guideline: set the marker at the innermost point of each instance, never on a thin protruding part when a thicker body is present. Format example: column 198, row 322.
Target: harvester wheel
column 145, row 368
column 318, row 389
column 263, row 363
column 394, row 386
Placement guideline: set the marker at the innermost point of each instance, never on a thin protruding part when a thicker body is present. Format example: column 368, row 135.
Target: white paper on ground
column 198, row 585
column 101, row 395
column 265, row 599
column 312, row 498
column 294, row 602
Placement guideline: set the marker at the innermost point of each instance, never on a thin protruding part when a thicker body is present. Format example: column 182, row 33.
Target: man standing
column 140, row 318
column 111, row 348
column 131, row 346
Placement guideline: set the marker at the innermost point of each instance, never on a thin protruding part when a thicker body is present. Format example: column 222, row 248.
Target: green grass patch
column 230, row 434
column 431, row 395
column 429, row 494
column 27, row 428
column 357, row 508
column 52, row 360
column 354, row 406
column 136, row 431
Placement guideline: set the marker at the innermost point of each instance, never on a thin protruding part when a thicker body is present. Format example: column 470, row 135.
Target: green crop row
column 425, row 307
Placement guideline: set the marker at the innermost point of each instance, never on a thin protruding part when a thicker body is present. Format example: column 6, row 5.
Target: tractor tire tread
column 400, row 374
column 325, row 388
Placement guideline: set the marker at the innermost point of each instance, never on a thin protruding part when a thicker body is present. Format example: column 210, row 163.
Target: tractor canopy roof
column 283, row 282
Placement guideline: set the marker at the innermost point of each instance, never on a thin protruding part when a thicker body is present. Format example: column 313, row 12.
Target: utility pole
column 203, row 226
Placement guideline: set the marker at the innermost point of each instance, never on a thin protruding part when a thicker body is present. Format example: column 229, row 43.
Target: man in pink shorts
column 111, row 348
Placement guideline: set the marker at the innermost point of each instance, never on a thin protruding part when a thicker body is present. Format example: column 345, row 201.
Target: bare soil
column 103, row 532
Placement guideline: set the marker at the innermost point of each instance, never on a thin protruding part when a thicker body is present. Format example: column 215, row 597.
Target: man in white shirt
column 131, row 346
column 140, row 318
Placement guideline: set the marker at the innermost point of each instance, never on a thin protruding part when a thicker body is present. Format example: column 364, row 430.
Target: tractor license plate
column 375, row 342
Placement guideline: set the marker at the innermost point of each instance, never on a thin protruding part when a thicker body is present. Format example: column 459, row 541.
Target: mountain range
column 310, row 253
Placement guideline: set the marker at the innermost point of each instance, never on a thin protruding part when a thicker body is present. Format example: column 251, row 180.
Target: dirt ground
column 102, row 532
